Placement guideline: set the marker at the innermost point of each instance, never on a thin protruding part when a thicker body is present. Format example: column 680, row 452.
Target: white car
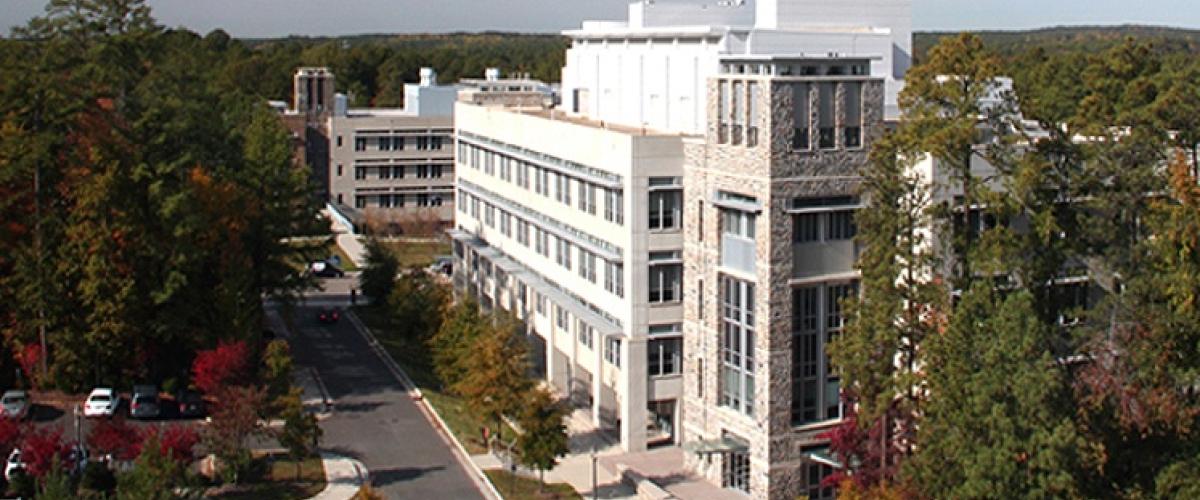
column 13, row 465
column 14, row 404
column 102, row 402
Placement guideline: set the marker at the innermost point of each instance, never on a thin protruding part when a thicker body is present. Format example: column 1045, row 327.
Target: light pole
column 595, row 491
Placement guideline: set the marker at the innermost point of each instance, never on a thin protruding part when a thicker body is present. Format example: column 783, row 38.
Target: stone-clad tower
column 769, row 250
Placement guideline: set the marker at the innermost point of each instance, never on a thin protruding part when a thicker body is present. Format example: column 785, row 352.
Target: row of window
column 738, row 112
column 567, row 255
column 824, row 226
column 824, row 121
column 398, row 171
column 562, row 188
column 397, row 142
column 397, row 200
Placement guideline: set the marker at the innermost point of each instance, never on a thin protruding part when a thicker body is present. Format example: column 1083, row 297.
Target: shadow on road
column 343, row 451
column 384, row 477
column 357, row 407
column 44, row 413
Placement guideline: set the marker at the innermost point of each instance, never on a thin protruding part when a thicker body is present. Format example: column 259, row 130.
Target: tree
column 944, row 108
column 225, row 366
column 277, row 369
column 41, row 448
column 543, row 439
column 176, row 442
column 154, row 475
column 300, row 434
column 417, row 305
column 115, row 437
column 57, row 484
column 452, row 344
column 234, row 421
column 379, row 277
column 981, row 436
column 496, row 372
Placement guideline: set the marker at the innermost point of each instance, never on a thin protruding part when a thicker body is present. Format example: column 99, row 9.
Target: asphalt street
column 374, row 420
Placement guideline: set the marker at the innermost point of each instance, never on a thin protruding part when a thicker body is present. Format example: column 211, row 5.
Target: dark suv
column 144, row 403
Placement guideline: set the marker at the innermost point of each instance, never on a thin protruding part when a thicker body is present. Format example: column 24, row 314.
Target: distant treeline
column 1081, row 39
column 373, row 68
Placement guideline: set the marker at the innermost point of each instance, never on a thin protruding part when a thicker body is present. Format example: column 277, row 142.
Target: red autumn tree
column 30, row 359
column 224, row 366
column 176, row 441
column 115, row 437
column 10, row 433
column 39, row 449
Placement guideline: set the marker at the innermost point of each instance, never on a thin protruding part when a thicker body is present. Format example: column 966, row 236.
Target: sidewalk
column 576, row 468
column 344, row 476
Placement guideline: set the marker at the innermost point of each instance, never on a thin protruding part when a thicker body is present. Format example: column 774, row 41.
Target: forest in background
column 373, row 68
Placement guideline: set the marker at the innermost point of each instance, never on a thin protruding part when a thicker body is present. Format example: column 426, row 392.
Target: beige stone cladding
column 774, row 174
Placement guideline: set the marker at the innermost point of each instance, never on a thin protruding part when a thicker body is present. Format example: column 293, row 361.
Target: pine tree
column 452, row 344
column 379, row 277
column 999, row 419
column 416, row 305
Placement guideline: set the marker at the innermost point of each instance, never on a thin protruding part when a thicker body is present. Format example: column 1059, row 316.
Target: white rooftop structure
column 424, row 99
column 650, row 70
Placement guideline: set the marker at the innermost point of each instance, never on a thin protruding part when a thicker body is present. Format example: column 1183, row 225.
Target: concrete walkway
column 349, row 243
column 344, row 476
column 576, row 468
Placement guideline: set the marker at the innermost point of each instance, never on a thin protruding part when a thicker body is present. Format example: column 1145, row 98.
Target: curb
column 333, row 484
column 430, row 412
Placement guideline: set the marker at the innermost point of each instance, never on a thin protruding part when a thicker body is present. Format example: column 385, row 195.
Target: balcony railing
column 751, row 136
column 800, row 140
column 722, row 133
column 736, row 137
column 853, row 137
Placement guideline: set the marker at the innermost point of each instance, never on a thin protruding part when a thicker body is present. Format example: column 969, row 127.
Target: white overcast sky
column 273, row 18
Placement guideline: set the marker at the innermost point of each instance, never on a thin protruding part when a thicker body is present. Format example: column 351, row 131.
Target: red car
column 329, row 316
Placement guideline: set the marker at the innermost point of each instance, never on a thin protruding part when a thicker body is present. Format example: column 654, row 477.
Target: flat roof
column 562, row 116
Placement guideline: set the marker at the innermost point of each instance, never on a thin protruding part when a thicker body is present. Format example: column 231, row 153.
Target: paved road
column 373, row 419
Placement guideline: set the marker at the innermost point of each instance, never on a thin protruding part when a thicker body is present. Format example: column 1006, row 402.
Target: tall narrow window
column 802, row 117
column 739, row 113
column 666, row 208
column 737, row 345
column 817, row 320
column 826, row 137
column 666, row 277
column 722, row 111
column 853, row 129
column 752, row 122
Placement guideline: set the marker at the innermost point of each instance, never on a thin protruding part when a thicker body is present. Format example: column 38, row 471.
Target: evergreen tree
column 999, row 418
column 154, row 475
column 379, row 277
column 417, row 304
column 454, row 340
column 300, row 433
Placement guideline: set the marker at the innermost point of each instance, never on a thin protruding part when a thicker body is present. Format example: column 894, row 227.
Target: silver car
column 15, row 404
column 144, row 403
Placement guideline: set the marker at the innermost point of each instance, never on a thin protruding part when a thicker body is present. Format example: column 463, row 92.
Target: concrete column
column 633, row 382
column 597, row 378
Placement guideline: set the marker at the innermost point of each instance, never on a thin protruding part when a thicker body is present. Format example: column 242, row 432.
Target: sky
column 274, row 18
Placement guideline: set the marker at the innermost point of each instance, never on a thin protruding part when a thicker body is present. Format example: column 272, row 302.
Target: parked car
column 326, row 269
column 102, row 402
column 15, row 404
column 144, row 403
column 14, row 465
column 329, row 315
column 443, row 264
column 191, row 404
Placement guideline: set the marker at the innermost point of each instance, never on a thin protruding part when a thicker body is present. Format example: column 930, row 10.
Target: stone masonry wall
column 774, row 174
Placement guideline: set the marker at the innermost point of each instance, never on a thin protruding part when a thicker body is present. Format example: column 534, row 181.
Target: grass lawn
column 418, row 253
column 277, row 480
column 414, row 357
column 522, row 488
